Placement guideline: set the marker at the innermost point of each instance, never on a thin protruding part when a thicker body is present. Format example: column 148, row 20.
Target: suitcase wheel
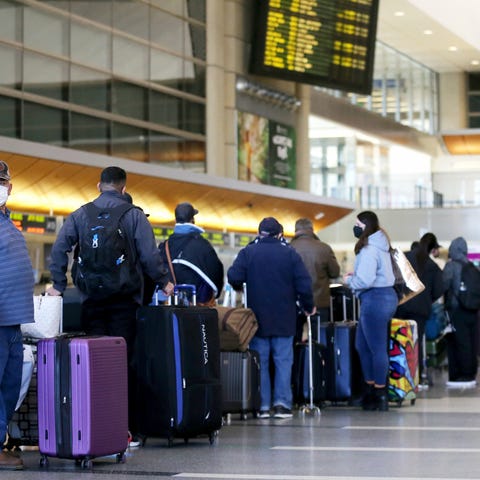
column 86, row 463
column 121, row 457
column 170, row 441
column 412, row 401
column 44, row 461
column 213, row 438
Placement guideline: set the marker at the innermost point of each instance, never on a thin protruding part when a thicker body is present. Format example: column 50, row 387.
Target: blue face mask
column 357, row 231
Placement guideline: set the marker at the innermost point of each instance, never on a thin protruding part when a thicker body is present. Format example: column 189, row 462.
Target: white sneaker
column 456, row 384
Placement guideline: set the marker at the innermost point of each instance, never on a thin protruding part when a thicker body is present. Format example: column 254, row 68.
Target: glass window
column 9, row 117
column 10, row 20
column 11, row 71
column 167, row 69
column 129, row 100
column 94, row 10
column 174, row 6
column 129, row 142
column 474, row 82
column 196, row 9
column 194, row 117
column 165, row 109
column 91, row 46
column 89, row 133
column 199, row 41
column 171, row 35
column 44, row 124
column 130, row 59
column 176, row 152
column 132, row 17
column 45, row 32
column 45, row 76
column 195, row 84
column 89, row 88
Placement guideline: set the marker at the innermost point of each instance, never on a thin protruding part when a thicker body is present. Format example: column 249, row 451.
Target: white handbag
column 48, row 316
column 407, row 284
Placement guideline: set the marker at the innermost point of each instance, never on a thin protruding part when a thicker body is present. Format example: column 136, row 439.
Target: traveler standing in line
column 114, row 314
column 372, row 281
column 16, row 307
column 419, row 308
column 461, row 343
column 321, row 264
column 193, row 259
column 276, row 278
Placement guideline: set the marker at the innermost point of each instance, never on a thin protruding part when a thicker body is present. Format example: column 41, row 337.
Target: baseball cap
column 184, row 212
column 4, row 171
column 269, row 226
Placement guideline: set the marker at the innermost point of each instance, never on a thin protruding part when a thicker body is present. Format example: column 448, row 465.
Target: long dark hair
column 372, row 225
column 422, row 253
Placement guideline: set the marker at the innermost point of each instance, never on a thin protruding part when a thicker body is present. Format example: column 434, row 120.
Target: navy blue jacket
column 276, row 278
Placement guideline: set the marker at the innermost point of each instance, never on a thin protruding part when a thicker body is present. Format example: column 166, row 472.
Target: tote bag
column 48, row 315
column 407, row 284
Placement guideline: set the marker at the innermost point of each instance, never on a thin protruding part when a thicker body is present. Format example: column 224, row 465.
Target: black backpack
column 469, row 293
column 104, row 262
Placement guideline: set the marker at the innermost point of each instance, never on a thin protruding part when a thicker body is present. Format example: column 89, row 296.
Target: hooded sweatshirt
column 373, row 265
column 452, row 272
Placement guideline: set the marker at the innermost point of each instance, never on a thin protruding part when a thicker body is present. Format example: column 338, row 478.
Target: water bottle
column 463, row 287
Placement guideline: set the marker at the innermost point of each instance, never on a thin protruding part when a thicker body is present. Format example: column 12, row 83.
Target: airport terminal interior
column 375, row 105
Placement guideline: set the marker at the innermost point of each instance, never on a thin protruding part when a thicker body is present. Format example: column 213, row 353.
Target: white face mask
column 3, row 195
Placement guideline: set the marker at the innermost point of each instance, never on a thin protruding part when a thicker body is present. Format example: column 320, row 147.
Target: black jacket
column 420, row 306
column 190, row 251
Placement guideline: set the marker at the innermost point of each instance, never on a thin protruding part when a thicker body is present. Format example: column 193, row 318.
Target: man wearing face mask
column 372, row 281
column 16, row 307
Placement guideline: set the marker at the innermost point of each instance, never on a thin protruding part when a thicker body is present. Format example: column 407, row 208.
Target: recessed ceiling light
column 428, row 32
column 399, row 14
column 475, row 62
column 452, row 49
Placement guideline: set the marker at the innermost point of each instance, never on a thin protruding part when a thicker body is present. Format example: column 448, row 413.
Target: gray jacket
column 457, row 253
column 373, row 265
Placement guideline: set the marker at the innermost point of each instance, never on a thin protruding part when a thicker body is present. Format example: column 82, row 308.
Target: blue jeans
column 281, row 349
column 11, row 363
column 377, row 307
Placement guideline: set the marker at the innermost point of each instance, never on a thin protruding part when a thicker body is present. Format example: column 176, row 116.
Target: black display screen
column 329, row 43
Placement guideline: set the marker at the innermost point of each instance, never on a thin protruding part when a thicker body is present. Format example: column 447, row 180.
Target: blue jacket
column 276, row 278
column 16, row 275
column 373, row 265
column 138, row 230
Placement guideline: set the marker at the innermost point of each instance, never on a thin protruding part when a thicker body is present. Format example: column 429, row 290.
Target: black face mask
column 357, row 231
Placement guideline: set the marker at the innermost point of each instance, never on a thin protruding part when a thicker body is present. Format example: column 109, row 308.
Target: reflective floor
column 436, row 438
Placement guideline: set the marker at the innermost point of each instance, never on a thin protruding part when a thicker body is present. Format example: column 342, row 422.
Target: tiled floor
column 436, row 438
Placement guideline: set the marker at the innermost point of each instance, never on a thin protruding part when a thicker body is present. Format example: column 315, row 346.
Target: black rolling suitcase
column 240, row 375
column 300, row 373
column 178, row 367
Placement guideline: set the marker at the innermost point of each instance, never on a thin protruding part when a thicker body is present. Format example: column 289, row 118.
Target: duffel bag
column 237, row 327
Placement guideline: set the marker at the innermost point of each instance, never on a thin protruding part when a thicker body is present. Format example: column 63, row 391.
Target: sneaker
column 423, row 386
column 134, row 441
column 279, row 411
column 264, row 414
column 461, row 384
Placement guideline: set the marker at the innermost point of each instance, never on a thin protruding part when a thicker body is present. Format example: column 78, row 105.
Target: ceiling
column 56, row 181
column 454, row 41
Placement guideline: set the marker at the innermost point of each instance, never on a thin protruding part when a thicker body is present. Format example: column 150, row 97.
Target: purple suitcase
column 82, row 398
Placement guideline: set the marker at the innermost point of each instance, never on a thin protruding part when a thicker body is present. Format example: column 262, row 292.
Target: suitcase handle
column 185, row 288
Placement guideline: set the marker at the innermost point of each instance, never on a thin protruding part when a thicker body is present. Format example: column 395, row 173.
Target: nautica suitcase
column 240, row 375
column 178, row 368
column 403, row 369
column 82, row 398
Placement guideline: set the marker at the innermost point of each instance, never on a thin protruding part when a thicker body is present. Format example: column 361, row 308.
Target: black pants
column 462, row 345
column 116, row 317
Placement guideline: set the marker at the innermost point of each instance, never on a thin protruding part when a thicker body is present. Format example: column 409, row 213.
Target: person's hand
column 309, row 314
column 52, row 291
column 347, row 276
column 168, row 289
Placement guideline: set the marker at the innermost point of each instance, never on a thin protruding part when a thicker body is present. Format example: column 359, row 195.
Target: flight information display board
column 329, row 43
